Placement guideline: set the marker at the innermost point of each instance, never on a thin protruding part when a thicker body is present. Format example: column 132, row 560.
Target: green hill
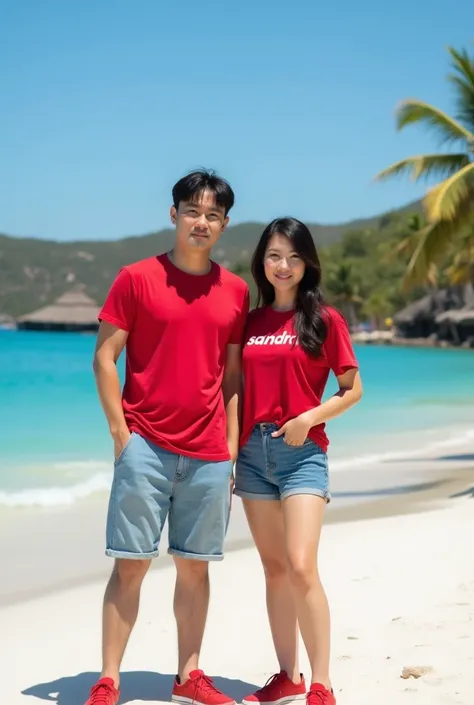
column 34, row 272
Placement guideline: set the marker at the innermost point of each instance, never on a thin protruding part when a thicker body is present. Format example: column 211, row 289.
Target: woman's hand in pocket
column 295, row 431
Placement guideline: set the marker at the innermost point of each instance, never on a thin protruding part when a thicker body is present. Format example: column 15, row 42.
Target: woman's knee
column 274, row 567
column 302, row 570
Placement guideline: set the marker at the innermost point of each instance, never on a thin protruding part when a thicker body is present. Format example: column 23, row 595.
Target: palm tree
column 461, row 269
column 344, row 289
column 407, row 248
column 378, row 308
column 448, row 206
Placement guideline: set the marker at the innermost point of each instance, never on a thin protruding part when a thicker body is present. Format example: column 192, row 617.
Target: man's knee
column 191, row 571
column 130, row 572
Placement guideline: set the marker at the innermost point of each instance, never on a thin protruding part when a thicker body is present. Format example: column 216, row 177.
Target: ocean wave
column 56, row 496
column 100, row 480
column 67, row 465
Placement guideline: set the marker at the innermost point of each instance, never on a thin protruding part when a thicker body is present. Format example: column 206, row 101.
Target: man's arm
column 232, row 391
column 110, row 343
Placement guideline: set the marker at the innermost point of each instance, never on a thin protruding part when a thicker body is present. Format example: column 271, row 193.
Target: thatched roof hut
column 418, row 319
column 457, row 325
column 460, row 316
column 418, row 310
column 72, row 311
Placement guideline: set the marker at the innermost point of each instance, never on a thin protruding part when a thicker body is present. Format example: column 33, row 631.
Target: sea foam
column 100, row 481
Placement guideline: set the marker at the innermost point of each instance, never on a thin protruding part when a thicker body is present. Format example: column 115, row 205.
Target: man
column 175, row 431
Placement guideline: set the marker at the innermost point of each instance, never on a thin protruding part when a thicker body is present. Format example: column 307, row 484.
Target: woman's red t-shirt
column 281, row 381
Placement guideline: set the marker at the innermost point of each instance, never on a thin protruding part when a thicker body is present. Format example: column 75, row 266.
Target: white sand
column 53, row 548
column 401, row 591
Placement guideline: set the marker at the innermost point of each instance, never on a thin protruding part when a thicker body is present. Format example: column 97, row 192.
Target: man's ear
column 173, row 214
column 225, row 224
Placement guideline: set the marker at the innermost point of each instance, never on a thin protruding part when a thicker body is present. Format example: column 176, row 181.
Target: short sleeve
column 239, row 325
column 338, row 344
column 119, row 306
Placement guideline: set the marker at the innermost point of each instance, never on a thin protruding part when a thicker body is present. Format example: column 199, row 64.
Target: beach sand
column 396, row 560
column 401, row 590
column 56, row 548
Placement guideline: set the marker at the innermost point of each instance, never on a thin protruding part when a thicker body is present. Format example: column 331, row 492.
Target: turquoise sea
column 55, row 448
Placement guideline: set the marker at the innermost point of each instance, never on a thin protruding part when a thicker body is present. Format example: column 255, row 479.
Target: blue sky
column 106, row 103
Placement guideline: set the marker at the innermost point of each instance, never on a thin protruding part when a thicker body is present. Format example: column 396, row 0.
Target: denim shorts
column 151, row 484
column 269, row 468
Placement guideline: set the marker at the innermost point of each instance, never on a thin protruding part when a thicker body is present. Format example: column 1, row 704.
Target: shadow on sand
column 388, row 491
column 463, row 457
column 457, row 457
column 134, row 685
column 465, row 493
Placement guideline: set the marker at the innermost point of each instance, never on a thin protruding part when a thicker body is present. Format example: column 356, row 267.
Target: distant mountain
column 34, row 272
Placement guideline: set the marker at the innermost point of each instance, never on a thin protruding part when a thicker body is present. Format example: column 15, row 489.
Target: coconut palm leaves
column 448, row 206
column 345, row 288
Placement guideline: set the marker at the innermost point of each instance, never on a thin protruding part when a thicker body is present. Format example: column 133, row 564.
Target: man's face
column 199, row 225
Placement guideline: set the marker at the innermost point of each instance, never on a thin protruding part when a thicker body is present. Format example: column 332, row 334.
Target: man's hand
column 295, row 431
column 121, row 438
column 232, row 484
column 233, row 451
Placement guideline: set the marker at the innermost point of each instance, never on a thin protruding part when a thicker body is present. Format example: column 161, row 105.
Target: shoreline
column 385, row 338
column 65, row 545
column 346, row 452
column 375, row 337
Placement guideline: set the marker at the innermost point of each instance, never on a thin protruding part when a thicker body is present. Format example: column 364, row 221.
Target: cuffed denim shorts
column 269, row 468
column 151, row 484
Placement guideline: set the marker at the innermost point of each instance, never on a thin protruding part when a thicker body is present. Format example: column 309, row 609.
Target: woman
column 292, row 342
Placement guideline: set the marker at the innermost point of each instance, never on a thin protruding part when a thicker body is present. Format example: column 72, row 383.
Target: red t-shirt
column 281, row 380
column 179, row 326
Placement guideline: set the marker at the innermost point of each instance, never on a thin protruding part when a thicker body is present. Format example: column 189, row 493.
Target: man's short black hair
column 192, row 186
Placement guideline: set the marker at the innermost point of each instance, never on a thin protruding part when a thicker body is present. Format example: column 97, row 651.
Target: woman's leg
column 265, row 519
column 303, row 518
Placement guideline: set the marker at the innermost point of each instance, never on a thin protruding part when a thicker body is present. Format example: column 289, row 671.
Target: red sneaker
column 104, row 692
column 319, row 695
column 199, row 690
column 278, row 690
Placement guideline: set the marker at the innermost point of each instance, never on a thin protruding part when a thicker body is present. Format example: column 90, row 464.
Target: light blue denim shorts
column 151, row 484
column 269, row 468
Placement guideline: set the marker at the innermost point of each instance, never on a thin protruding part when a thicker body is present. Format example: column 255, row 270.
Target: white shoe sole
column 182, row 700
column 280, row 701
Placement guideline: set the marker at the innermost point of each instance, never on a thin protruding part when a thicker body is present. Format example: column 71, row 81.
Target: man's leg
column 138, row 506
column 198, row 521
column 191, row 602
column 121, row 602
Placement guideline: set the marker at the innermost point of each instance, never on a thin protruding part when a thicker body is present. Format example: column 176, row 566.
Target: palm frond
column 463, row 83
column 420, row 263
column 461, row 269
column 449, row 130
column 461, row 273
column 434, row 242
column 426, row 165
column 407, row 245
column 463, row 64
column 444, row 200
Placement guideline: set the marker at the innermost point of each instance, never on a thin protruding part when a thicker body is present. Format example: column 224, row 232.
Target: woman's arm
column 349, row 393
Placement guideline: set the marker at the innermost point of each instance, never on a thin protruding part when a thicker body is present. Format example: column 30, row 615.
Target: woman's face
column 284, row 268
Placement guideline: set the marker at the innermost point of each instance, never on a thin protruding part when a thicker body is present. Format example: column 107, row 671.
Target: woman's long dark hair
column 310, row 326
